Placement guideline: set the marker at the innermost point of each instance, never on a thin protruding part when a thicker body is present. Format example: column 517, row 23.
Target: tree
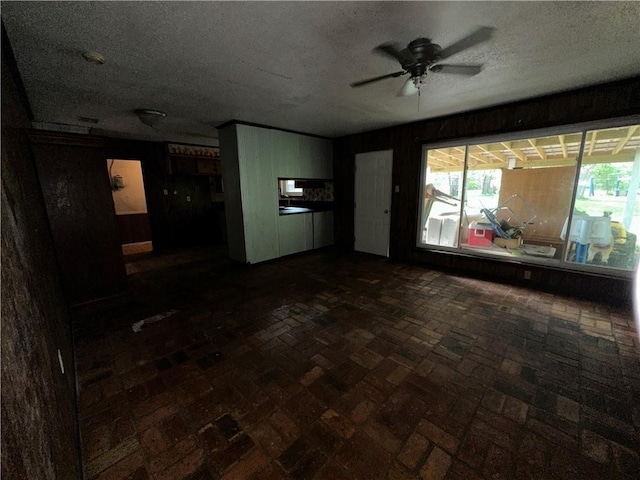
column 606, row 176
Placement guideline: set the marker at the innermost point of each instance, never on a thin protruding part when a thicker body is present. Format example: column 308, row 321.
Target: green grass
column 596, row 206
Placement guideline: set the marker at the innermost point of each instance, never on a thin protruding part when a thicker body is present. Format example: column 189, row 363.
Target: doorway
column 373, row 202
column 130, row 204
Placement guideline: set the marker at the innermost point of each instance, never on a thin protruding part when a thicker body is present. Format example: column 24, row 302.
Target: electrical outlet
column 188, row 198
column 527, row 275
column 166, row 192
column 397, row 189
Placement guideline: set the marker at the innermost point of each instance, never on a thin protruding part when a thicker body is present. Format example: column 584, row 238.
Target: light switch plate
column 61, row 362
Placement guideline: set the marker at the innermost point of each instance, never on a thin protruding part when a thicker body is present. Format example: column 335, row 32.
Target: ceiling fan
column 422, row 56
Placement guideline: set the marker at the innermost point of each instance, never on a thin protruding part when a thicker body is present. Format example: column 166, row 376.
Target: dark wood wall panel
column 614, row 291
column 190, row 222
column 77, row 194
column 134, row 228
column 599, row 102
column 39, row 424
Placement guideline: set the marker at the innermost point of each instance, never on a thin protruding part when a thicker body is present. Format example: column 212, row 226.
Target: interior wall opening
column 130, row 204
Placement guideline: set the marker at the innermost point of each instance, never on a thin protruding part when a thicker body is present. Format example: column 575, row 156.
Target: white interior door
column 373, row 202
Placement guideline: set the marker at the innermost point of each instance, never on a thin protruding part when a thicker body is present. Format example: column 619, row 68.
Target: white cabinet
column 322, row 229
column 316, row 157
column 304, row 231
column 253, row 159
column 251, row 193
column 259, row 192
column 307, row 169
column 285, row 154
column 300, row 156
column 323, row 158
column 295, row 233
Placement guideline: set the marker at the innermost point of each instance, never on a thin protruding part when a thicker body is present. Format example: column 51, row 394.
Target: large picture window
column 567, row 199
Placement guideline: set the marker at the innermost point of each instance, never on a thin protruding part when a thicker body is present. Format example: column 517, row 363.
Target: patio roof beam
column 497, row 155
column 592, row 145
column 514, row 151
column 563, row 145
column 623, row 141
column 538, row 150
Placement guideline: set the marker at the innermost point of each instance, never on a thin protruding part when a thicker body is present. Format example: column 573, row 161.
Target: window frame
column 285, row 192
column 466, row 142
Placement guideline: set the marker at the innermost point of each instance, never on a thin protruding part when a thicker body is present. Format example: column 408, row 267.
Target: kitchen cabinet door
column 285, row 154
column 295, row 233
column 321, row 157
column 307, row 166
column 322, row 229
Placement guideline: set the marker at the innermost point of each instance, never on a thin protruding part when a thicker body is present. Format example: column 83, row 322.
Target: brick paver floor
column 327, row 366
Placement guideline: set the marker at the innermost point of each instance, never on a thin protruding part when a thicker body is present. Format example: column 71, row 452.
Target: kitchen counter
column 296, row 210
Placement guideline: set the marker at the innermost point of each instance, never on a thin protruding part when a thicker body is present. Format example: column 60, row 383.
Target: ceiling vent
column 88, row 120
column 60, row 127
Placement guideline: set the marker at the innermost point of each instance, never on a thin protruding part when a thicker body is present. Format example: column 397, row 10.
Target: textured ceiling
column 289, row 64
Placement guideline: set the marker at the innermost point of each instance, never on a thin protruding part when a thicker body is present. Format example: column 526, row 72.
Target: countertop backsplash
column 324, row 194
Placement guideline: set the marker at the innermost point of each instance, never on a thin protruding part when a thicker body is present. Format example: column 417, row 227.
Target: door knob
column 386, row 211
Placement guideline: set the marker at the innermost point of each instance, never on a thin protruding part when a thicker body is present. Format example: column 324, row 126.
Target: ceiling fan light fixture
column 419, row 80
column 150, row 117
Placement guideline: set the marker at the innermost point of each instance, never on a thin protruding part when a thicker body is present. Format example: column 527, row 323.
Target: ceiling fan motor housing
column 425, row 53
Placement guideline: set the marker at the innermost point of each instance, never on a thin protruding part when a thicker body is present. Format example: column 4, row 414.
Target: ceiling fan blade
column 457, row 69
column 407, row 89
column 404, row 56
column 481, row 35
column 376, row 79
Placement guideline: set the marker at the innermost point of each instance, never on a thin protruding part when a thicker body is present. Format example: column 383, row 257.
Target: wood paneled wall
column 134, row 228
column 39, row 423
column 599, row 102
column 77, row 194
column 75, row 183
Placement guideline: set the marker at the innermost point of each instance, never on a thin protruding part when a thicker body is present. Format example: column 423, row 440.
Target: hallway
column 330, row 366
